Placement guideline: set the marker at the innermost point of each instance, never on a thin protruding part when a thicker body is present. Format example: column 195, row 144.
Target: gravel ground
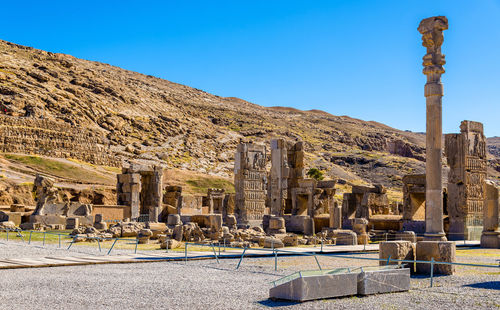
column 207, row 285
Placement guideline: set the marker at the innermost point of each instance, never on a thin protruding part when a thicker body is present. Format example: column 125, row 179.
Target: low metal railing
column 275, row 252
column 19, row 234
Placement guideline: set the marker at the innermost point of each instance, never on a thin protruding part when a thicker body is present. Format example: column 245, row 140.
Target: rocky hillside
column 148, row 119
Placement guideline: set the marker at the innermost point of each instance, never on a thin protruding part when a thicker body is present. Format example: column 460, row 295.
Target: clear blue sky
column 356, row 58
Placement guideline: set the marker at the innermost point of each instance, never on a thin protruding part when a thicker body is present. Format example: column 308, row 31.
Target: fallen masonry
column 311, row 285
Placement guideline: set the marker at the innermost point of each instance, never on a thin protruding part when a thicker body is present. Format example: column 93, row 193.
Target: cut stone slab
column 383, row 281
column 397, row 250
column 316, row 287
column 441, row 251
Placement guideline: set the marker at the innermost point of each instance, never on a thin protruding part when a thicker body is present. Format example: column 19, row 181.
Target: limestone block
column 273, row 243
column 406, row 235
column 359, row 225
column 101, row 226
column 123, row 178
column 30, row 226
column 363, row 238
column 317, row 287
column 383, row 281
column 17, row 208
column 490, row 240
column 72, row 222
column 178, row 232
column 174, row 220
column 397, row 250
column 231, row 221
column 215, row 221
column 15, row 217
column 336, row 216
column 441, row 251
column 7, row 225
column 291, row 240
column 343, row 236
column 157, row 228
column 170, row 244
column 276, row 223
column 98, row 218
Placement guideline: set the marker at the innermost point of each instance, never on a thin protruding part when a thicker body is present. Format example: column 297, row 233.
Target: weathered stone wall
column 56, row 139
column 112, row 213
column 466, row 153
column 250, row 182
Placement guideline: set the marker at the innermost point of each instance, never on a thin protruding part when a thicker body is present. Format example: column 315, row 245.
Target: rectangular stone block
column 317, row 287
column 441, row 251
column 276, row 223
column 72, row 222
column 98, row 218
column 383, row 281
column 123, row 178
column 397, row 250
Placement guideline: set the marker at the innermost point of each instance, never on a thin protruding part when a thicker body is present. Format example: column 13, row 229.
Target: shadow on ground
column 490, row 285
column 277, row 303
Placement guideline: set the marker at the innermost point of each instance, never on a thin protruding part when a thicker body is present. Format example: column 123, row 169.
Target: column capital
column 432, row 38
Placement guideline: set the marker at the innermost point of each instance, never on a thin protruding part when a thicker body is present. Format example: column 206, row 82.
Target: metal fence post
column 317, row 262
column 59, row 239
column 112, row 246
column 241, row 258
column 136, row 243
column 71, row 243
column 7, row 234
column 29, row 241
column 388, row 260
column 215, row 253
column 321, row 245
column 99, row 243
column 432, row 270
column 43, row 238
column 185, row 252
column 275, row 260
column 224, row 244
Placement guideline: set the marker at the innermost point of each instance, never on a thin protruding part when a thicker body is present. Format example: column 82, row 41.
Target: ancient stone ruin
column 140, row 188
column 490, row 237
column 250, row 178
column 466, row 153
column 432, row 38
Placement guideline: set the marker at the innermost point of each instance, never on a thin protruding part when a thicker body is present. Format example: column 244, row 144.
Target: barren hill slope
column 150, row 119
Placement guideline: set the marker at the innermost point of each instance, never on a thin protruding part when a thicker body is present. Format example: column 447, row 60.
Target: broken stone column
column 278, row 177
column 336, row 216
column 432, row 38
column 359, row 226
column 490, row 237
column 157, row 194
column 466, row 153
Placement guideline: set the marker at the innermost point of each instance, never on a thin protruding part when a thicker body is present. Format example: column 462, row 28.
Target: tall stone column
column 432, row 38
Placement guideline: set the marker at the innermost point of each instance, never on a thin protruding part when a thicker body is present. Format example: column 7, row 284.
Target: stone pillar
column 336, row 216
column 157, row 194
column 432, row 38
column 278, row 177
column 466, row 153
column 490, row 237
